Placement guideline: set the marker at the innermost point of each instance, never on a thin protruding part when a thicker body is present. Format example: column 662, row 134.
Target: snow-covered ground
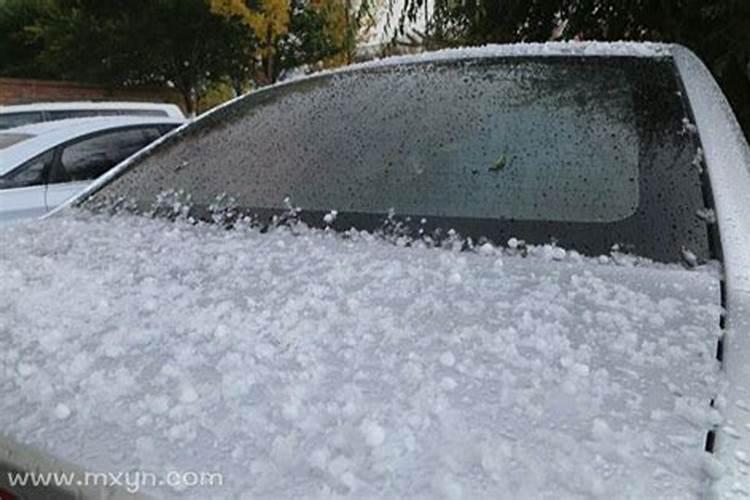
column 316, row 366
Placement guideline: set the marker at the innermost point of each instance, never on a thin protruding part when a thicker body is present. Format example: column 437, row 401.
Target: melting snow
column 315, row 366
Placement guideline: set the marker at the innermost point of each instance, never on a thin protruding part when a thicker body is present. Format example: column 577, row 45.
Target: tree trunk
column 190, row 98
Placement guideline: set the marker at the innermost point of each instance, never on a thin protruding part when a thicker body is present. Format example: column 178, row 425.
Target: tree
column 268, row 21
column 177, row 42
column 346, row 23
column 18, row 52
column 470, row 22
column 310, row 40
column 192, row 45
column 294, row 33
column 125, row 42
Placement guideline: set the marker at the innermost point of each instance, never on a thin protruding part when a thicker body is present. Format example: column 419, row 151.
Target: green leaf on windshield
column 500, row 163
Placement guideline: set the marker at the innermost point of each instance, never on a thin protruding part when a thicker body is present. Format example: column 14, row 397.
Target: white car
column 507, row 272
column 24, row 114
column 44, row 164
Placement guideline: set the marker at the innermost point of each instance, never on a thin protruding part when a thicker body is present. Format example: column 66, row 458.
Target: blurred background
column 199, row 53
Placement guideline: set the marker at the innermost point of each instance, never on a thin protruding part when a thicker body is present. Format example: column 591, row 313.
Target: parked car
column 45, row 164
column 503, row 272
column 26, row 114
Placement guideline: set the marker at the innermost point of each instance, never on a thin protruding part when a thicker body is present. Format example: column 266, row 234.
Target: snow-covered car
column 502, row 272
column 17, row 115
column 45, row 164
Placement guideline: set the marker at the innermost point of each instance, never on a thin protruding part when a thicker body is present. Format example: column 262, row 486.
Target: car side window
column 29, row 174
column 80, row 113
column 142, row 112
column 10, row 120
column 93, row 156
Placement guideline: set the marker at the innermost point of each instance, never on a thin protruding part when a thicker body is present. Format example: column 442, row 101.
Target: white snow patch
column 447, row 359
column 62, row 411
column 374, row 433
column 306, row 365
column 566, row 48
column 330, row 217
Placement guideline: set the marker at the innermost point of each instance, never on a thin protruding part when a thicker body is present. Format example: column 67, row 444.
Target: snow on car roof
column 49, row 134
column 568, row 48
column 308, row 365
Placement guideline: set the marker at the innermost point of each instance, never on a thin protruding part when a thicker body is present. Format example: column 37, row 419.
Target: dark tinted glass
column 91, row 157
column 10, row 120
column 143, row 112
column 589, row 152
column 30, row 173
column 83, row 113
column 80, row 113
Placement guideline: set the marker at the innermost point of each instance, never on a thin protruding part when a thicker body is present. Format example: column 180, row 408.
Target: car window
column 143, row 112
column 84, row 113
column 29, row 174
column 10, row 120
column 7, row 140
column 91, row 157
column 589, row 153
column 80, row 113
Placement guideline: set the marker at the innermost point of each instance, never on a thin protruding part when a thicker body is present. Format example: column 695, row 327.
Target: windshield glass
column 581, row 151
column 501, row 141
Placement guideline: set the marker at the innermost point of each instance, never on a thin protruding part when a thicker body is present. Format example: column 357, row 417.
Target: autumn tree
column 268, row 21
column 347, row 23
column 180, row 43
column 118, row 42
column 293, row 33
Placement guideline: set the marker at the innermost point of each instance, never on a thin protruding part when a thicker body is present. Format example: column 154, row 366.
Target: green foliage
column 130, row 42
column 17, row 46
column 470, row 22
column 310, row 41
column 294, row 33
column 122, row 42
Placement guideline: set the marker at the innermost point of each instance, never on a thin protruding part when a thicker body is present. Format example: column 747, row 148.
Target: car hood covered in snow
column 315, row 365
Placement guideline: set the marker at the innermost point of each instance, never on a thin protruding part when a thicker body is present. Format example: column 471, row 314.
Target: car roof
column 173, row 109
column 47, row 135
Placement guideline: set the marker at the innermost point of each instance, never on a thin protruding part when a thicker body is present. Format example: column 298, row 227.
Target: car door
column 22, row 189
column 81, row 161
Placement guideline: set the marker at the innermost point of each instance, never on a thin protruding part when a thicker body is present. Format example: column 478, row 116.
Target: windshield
column 482, row 142
column 587, row 152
